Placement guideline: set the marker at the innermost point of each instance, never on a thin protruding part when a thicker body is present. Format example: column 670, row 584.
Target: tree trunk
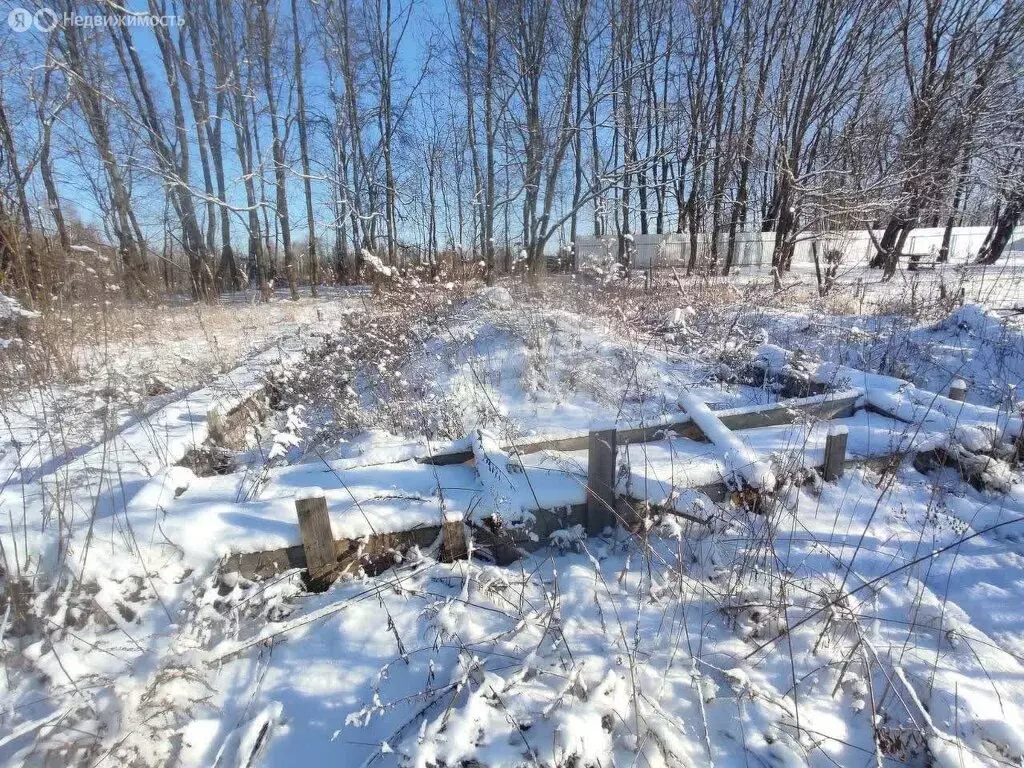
column 314, row 266
column 129, row 249
column 1002, row 230
column 277, row 149
column 32, row 277
column 172, row 162
column 228, row 273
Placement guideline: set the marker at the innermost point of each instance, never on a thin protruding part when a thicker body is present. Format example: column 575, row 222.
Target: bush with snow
column 14, row 319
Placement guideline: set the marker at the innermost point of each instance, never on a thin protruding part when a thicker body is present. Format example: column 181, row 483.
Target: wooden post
column 453, row 541
column 835, row 453
column 958, row 390
column 601, row 481
column 317, row 536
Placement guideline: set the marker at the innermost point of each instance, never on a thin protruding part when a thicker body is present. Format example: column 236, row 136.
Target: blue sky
column 426, row 27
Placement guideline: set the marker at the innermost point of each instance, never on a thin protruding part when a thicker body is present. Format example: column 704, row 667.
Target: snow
column 662, row 471
column 877, row 612
column 739, row 459
column 497, row 297
column 11, row 313
column 131, row 472
column 11, row 308
column 972, row 344
column 567, row 690
column 375, row 264
column 546, row 372
column 898, row 398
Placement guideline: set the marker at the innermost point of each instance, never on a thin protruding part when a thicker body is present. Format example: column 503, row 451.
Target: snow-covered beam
column 756, row 474
column 829, row 406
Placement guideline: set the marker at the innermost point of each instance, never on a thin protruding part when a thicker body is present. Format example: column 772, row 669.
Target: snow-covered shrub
column 15, row 321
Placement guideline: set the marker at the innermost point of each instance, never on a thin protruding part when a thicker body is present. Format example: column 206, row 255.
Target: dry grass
column 181, row 344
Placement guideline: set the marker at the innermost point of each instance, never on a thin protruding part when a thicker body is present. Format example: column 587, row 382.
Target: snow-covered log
column 738, row 457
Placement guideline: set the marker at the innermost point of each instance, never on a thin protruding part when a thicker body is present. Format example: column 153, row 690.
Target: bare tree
column 266, row 38
column 951, row 50
column 307, row 183
column 77, row 63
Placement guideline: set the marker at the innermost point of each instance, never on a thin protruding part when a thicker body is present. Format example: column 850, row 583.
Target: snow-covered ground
column 868, row 621
column 669, row 650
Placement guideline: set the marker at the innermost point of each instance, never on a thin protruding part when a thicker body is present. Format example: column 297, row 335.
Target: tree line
column 262, row 142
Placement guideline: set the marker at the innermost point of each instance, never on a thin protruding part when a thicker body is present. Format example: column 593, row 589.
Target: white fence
column 754, row 249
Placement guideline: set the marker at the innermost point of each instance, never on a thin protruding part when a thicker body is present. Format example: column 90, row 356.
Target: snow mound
column 974, row 319
column 540, row 372
column 971, row 345
column 497, row 297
